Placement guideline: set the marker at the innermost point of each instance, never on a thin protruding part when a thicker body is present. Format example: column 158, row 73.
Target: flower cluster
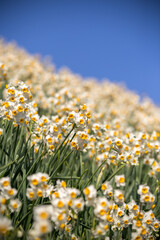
column 65, row 205
column 3, row 74
column 38, row 186
column 7, row 197
column 115, row 151
column 18, row 106
column 5, row 225
column 54, row 131
column 111, row 211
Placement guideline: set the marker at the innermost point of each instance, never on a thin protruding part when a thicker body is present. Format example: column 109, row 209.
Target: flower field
column 78, row 159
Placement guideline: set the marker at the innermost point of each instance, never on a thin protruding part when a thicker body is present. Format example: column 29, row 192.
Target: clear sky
column 114, row 39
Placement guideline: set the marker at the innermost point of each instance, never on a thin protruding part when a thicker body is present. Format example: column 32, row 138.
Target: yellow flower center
column 60, row 204
column 60, row 217
column 44, row 215
column 86, row 191
column 5, row 183
column 103, row 204
column 10, row 192
column 35, row 182
column 39, row 193
column 73, row 195
column 138, row 223
column 102, row 212
column 121, row 180
column 78, row 205
column 144, row 190
column 103, row 187
column 43, row 228
column 31, row 194
column 14, row 205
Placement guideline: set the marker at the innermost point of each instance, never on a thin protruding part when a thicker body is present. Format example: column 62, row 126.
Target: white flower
column 143, row 189
column 147, row 198
column 15, row 205
column 73, row 192
column 58, row 217
column 34, row 180
column 31, row 194
column 4, row 182
column 107, row 189
column 103, row 202
column 78, row 204
column 80, row 121
column 5, row 225
column 120, row 180
column 134, row 161
column 42, row 213
column 72, row 116
column 100, row 212
column 59, row 203
column 118, row 196
column 10, row 192
column 126, row 220
column 118, row 142
column 133, row 207
column 61, row 184
column 42, row 227
column 90, row 192
column 73, row 237
column 99, row 231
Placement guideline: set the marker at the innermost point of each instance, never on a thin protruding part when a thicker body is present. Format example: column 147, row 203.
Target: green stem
column 113, row 174
column 59, row 165
column 95, row 173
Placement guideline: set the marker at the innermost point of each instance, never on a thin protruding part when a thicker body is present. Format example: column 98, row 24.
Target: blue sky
column 114, row 39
